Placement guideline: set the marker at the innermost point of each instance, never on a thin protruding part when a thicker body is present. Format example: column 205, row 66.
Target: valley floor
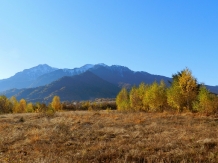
column 108, row 136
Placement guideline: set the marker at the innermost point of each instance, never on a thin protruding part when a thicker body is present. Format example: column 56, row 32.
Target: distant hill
column 25, row 78
column 213, row 89
column 121, row 75
column 86, row 86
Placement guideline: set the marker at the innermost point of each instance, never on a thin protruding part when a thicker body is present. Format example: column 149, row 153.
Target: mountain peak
column 102, row 64
column 44, row 66
column 86, row 67
column 35, row 72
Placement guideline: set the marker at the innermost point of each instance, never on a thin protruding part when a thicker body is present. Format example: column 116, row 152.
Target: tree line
column 183, row 94
column 12, row 105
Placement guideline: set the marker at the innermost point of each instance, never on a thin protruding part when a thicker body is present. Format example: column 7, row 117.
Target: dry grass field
column 108, row 136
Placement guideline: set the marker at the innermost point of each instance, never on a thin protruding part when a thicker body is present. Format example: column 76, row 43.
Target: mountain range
column 88, row 82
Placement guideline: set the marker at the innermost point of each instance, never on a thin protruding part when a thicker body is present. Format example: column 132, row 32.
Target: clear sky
column 156, row 36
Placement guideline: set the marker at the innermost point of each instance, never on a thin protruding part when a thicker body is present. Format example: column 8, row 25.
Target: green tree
column 56, row 103
column 122, row 100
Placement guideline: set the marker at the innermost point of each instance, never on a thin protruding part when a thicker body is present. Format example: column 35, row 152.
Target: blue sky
column 156, row 36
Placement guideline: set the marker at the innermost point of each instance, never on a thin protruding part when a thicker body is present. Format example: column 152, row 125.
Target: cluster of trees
column 183, row 94
column 13, row 106
column 87, row 105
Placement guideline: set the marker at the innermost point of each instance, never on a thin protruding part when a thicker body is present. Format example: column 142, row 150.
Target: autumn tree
column 189, row 87
column 29, row 108
column 183, row 90
column 5, row 105
column 22, row 106
column 175, row 98
column 56, row 104
column 141, row 93
column 136, row 97
column 155, row 96
column 15, row 104
column 122, row 100
column 206, row 102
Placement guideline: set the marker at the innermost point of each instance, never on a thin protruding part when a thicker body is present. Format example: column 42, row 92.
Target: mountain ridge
column 117, row 75
column 85, row 86
column 26, row 77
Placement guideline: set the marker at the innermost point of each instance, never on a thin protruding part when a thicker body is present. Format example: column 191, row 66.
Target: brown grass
column 108, row 136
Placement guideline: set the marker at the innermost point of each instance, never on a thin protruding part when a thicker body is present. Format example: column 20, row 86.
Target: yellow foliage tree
column 175, row 98
column 22, row 106
column 29, row 108
column 183, row 90
column 206, row 102
column 155, row 97
column 189, row 87
column 134, row 98
column 5, row 105
column 122, row 100
column 56, row 104
column 141, row 92
column 15, row 104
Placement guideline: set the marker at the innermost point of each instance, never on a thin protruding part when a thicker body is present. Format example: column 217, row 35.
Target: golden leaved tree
column 15, row 104
column 5, row 105
column 183, row 90
column 122, row 100
column 136, row 97
column 155, row 96
column 29, row 108
column 174, row 96
column 206, row 102
column 56, row 103
column 22, row 106
column 189, row 87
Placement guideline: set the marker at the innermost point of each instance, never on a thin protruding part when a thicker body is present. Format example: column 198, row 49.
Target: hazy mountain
column 86, row 86
column 39, row 76
column 213, row 89
column 121, row 75
column 43, row 74
column 55, row 75
column 25, row 78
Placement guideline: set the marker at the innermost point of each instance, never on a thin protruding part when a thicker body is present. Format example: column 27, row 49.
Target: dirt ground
column 108, row 136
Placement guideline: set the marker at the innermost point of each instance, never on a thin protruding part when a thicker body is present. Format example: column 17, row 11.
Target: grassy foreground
column 88, row 136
